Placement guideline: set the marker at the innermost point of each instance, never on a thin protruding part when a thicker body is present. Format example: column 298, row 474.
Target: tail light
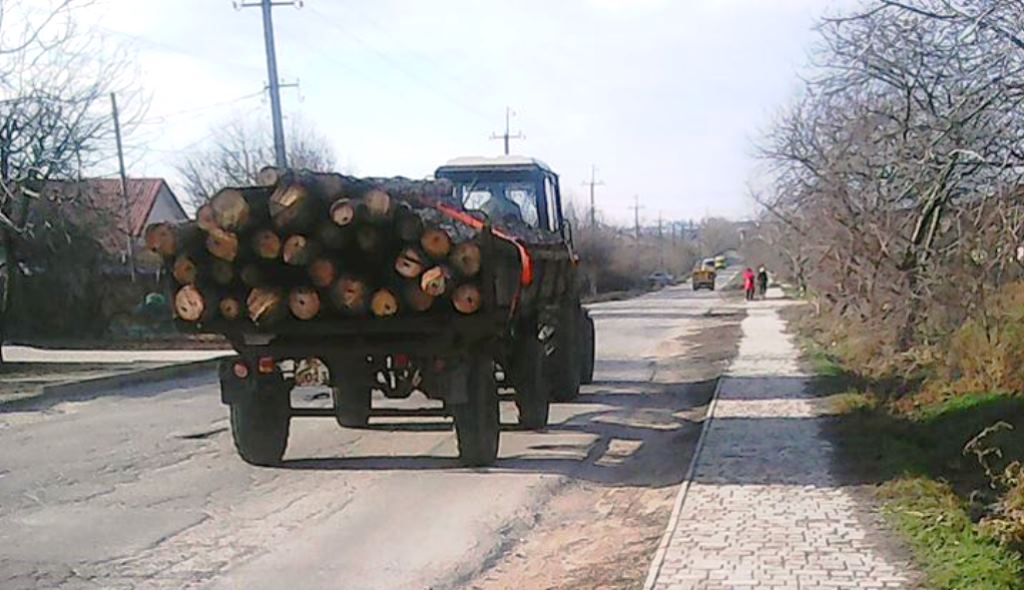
column 265, row 365
column 241, row 370
column 401, row 361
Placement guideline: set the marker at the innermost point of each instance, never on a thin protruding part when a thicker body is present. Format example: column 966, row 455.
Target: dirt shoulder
column 602, row 529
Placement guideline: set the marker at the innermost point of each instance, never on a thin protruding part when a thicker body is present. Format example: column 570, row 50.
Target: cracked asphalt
column 142, row 488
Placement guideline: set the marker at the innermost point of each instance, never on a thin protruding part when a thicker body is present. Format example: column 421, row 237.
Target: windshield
column 501, row 201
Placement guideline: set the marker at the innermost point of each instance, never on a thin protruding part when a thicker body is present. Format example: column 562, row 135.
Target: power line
column 397, row 65
column 506, row 136
column 593, row 183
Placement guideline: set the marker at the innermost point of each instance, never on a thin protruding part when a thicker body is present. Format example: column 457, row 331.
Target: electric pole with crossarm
column 273, row 83
column 508, row 133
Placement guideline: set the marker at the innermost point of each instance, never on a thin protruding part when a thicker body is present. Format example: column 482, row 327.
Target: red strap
column 526, row 262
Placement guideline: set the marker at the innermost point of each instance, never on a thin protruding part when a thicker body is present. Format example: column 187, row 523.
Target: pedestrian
column 762, row 282
column 748, row 283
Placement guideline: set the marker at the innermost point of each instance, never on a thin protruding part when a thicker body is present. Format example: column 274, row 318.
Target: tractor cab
column 508, row 188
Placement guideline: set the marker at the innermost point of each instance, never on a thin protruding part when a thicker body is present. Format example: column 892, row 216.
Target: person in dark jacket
column 762, row 282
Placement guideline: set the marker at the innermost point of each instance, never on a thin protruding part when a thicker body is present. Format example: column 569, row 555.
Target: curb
column 95, row 386
column 659, row 555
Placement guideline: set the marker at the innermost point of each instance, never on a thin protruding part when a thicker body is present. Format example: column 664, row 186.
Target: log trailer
column 507, row 304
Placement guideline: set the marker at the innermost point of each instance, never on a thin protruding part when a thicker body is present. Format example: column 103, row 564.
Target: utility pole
column 661, row 244
column 507, row 135
column 280, row 155
column 636, row 217
column 127, row 212
column 593, row 183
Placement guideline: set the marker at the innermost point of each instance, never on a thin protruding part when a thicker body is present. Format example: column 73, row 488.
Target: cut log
column 378, row 205
column 343, row 212
column 408, row 225
column 409, row 263
column 222, row 272
column 189, row 303
column 369, row 238
column 466, row 298
column 299, row 250
column 466, row 259
column 264, row 305
column 268, row 176
column 333, row 237
column 184, row 270
column 434, row 281
column 323, row 272
column 230, row 308
column 230, row 209
column 222, row 244
column 330, row 186
column 292, row 207
column 414, row 297
column 349, row 294
column 436, row 243
column 384, row 303
column 205, row 218
column 304, row 303
column 161, row 238
column 252, row 276
column 266, row 244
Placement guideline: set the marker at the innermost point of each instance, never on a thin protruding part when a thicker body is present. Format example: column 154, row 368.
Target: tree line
column 895, row 194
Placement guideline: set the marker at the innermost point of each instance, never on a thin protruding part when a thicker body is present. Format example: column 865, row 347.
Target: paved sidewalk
column 762, row 509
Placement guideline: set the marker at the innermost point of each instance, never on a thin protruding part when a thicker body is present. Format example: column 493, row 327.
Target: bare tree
column 54, row 118
column 240, row 148
column 893, row 170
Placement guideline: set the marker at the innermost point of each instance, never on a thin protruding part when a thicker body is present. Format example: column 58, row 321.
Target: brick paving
column 762, row 509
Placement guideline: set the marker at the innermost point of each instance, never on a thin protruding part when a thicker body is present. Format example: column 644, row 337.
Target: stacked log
column 310, row 246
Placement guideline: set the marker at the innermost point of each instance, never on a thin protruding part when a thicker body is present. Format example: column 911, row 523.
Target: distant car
column 720, row 262
column 660, row 279
column 704, row 275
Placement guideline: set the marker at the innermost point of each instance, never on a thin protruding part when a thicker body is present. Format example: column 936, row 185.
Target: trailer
column 527, row 327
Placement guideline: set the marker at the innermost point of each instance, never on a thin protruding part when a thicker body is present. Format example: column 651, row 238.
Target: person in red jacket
column 748, row 283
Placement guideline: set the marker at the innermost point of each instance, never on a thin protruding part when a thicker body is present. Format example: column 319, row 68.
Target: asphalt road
column 143, row 489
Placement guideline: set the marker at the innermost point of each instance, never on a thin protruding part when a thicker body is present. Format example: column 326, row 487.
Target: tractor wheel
column 477, row 421
column 588, row 348
column 531, row 390
column 260, row 425
column 563, row 365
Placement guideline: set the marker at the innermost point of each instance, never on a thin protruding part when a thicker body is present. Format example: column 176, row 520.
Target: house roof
column 142, row 195
column 104, row 194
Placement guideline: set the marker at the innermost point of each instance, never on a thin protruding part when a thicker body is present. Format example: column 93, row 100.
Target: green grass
column 925, row 481
column 952, row 554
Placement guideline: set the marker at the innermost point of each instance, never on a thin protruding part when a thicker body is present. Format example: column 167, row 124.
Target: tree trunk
column 349, row 295
column 466, row 259
column 304, row 303
column 434, row 282
column 384, row 303
column 467, row 299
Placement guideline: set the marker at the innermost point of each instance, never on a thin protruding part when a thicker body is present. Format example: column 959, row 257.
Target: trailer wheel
column 352, row 405
column 531, row 390
column 563, row 366
column 260, row 425
column 588, row 344
column 477, row 422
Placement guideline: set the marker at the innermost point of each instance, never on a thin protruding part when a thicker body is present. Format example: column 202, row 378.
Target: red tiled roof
column 100, row 198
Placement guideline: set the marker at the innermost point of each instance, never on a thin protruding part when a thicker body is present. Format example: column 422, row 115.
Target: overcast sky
column 665, row 97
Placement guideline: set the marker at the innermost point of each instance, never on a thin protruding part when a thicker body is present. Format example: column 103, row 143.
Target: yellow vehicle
column 720, row 262
column 704, row 275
